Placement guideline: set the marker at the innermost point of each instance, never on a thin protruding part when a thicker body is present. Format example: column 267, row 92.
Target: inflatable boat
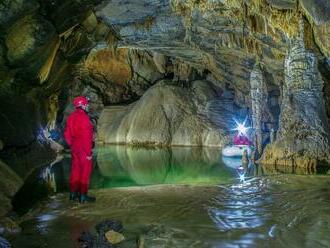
column 236, row 150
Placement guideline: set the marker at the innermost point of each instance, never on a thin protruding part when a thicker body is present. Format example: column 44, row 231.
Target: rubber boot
column 74, row 196
column 86, row 198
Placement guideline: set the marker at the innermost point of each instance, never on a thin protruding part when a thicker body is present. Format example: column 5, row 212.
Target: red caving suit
column 78, row 134
column 241, row 140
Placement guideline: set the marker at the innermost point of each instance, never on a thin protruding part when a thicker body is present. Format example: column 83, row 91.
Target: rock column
column 258, row 101
column 303, row 135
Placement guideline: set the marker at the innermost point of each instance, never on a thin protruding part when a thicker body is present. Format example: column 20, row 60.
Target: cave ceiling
column 224, row 37
column 217, row 35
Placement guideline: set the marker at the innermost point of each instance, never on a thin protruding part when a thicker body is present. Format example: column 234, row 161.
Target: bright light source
column 241, row 128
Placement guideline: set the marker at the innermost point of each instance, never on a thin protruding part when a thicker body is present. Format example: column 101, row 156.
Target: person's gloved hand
column 89, row 157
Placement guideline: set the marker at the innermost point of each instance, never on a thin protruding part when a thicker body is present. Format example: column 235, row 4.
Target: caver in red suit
column 78, row 134
column 241, row 140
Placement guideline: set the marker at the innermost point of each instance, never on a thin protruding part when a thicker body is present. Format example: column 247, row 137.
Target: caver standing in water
column 78, row 134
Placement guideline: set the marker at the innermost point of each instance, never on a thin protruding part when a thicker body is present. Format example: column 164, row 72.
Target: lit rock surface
column 165, row 115
column 115, row 51
column 303, row 135
column 259, row 104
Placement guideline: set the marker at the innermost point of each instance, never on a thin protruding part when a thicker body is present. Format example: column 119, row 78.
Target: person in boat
column 78, row 134
column 241, row 139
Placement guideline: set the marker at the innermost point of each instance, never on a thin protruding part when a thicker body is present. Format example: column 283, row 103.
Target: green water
column 184, row 197
column 121, row 166
column 127, row 166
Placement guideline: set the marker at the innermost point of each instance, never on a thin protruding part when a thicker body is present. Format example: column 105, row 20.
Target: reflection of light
column 242, row 177
column 43, row 222
column 46, row 217
column 241, row 174
column 271, row 232
column 240, row 207
column 41, row 138
column 232, row 162
column 241, row 128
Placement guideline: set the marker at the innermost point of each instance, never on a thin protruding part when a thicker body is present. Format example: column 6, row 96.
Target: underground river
column 180, row 197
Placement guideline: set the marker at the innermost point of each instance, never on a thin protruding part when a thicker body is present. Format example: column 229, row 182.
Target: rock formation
column 165, row 115
column 303, row 135
column 259, row 105
column 9, row 185
column 116, row 51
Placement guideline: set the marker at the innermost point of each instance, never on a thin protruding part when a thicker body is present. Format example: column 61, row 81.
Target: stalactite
column 258, row 100
column 52, row 111
column 45, row 69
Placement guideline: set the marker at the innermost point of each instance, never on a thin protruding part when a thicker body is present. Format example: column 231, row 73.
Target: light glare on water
column 188, row 198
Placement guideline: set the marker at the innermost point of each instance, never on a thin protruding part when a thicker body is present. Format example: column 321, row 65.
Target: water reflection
column 159, row 166
column 241, row 210
column 120, row 166
column 273, row 211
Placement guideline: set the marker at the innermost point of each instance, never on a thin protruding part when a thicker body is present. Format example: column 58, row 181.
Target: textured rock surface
column 318, row 13
column 30, row 42
column 283, row 4
column 259, row 105
column 119, row 76
column 10, row 11
column 303, row 135
column 9, row 185
column 165, row 115
column 114, row 51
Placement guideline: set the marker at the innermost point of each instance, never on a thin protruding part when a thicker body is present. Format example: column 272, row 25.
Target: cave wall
column 303, row 135
column 51, row 51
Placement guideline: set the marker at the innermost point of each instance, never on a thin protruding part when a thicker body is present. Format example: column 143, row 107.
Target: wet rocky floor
column 271, row 211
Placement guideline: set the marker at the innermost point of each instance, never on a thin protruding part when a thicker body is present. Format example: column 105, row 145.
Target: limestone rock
column 9, row 185
column 319, row 10
column 9, row 226
column 11, row 10
column 120, row 75
column 259, row 104
column 32, row 45
column 114, row 237
column 318, row 13
column 283, row 4
column 160, row 62
column 303, row 135
column 145, row 71
column 165, row 115
column 66, row 14
column 110, row 73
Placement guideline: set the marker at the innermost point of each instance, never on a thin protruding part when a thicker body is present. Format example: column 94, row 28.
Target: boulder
column 30, row 43
column 165, row 115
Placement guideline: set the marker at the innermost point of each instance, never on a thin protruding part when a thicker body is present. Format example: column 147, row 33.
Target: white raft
column 236, row 151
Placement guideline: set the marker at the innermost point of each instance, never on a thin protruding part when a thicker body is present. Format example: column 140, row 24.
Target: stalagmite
column 303, row 136
column 258, row 99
